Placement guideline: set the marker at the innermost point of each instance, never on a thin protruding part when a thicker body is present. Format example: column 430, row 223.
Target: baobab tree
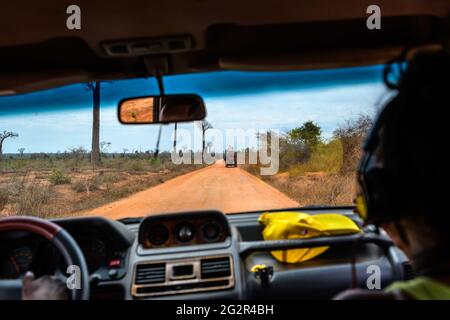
column 155, row 155
column 175, row 138
column 204, row 126
column 95, row 87
column 3, row 136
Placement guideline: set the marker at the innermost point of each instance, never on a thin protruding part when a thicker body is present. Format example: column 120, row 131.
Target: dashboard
column 199, row 255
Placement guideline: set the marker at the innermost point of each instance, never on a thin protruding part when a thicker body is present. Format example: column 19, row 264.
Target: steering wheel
column 61, row 239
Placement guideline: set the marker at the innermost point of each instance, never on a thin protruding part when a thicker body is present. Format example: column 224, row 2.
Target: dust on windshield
column 269, row 141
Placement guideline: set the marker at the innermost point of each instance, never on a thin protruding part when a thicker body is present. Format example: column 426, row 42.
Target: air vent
column 150, row 273
column 215, row 268
column 207, row 274
column 408, row 271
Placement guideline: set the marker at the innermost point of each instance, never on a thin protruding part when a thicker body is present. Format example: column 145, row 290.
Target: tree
column 175, row 138
column 351, row 136
column 104, row 146
column 204, row 126
column 158, row 139
column 78, row 153
column 21, row 151
column 94, row 87
column 309, row 134
column 3, row 136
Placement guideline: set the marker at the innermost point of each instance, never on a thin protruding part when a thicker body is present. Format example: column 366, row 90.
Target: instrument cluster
column 183, row 229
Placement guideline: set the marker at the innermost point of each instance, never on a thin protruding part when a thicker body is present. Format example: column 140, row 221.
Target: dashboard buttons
column 184, row 232
column 113, row 273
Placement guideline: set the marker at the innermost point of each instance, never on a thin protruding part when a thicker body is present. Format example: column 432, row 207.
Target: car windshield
column 270, row 140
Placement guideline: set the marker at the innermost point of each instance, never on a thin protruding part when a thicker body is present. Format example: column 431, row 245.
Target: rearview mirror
column 157, row 109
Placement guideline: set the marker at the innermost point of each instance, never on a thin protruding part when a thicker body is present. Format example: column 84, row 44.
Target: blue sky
column 58, row 119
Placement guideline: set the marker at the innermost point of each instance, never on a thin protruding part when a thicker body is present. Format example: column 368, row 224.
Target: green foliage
column 309, row 134
column 154, row 162
column 58, row 177
column 325, row 157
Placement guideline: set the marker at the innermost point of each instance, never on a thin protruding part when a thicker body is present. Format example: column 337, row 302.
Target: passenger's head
column 413, row 151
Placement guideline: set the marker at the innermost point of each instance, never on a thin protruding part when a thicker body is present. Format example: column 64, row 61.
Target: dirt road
column 214, row 187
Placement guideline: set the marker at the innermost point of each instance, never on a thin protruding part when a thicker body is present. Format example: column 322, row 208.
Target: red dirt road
column 214, row 187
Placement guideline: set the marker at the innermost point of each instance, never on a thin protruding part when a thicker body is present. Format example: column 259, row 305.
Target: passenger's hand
column 43, row 288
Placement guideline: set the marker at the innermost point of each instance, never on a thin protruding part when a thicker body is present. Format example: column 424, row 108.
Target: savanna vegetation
column 59, row 184
column 315, row 171
column 66, row 183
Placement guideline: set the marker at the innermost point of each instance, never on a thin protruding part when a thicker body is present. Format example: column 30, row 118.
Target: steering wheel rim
column 62, row 240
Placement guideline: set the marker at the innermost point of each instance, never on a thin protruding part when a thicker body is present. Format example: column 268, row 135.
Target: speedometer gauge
column 94, row 251
column 21, row 258
column 17, row 263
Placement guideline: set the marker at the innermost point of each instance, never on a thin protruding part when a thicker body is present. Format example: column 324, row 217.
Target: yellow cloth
column 297, row 225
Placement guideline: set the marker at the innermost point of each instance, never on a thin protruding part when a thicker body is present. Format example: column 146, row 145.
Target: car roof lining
column 226, row 40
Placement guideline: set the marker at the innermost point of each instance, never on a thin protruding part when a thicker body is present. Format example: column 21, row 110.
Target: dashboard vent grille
column 150, row 273
column 215, row 268
column 159, row 279
column 408, row 271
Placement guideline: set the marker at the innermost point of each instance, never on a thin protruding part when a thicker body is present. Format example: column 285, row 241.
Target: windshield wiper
column 130, row 220
column 323, row 206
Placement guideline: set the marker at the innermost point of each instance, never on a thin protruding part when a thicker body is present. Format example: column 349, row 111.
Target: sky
column 59, row 119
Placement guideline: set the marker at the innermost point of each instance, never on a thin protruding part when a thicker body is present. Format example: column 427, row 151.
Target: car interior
column 200, row 254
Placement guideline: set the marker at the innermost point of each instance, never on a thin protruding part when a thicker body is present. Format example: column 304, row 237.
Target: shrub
column 137, row 166
column 4, row 197
column 154, row 162
column 78, row 186
column 32, row 201
column 58, row 177
column 351, row 136
column 119, row 193
column 105, row 178
column 325, row 157
column 15, row 187
column 327, row 189
column 85, row 185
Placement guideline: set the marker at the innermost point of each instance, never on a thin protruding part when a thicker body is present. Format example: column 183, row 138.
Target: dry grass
column 316, row 188
column 54, row 188
column 33, row 200
column 4, row 197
